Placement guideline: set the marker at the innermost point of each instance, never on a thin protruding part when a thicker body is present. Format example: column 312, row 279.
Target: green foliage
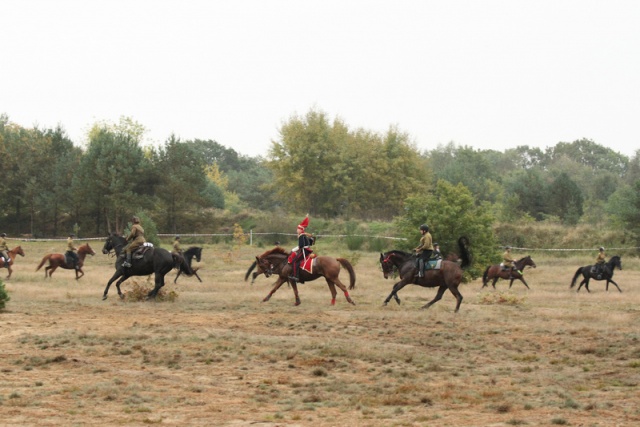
column 4, row 296
column 450, row 212
column 565, row 199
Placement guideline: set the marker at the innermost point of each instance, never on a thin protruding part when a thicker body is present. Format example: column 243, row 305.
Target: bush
column 4, row 296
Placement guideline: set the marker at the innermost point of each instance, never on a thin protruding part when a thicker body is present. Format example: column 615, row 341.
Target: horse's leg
column 396, row 288
column 332, row 289
column 177, row 275
column 81, row 273
column 116, row 275
column 159, row 283
column 456, row 293
column 199, row 279
column 276, row 286
column 343, row 288
column 10, row 271
column 294, row 286
column 522, row 280
column 118, row 283
column 438, row 297
column 495, row 279
column 615, row 284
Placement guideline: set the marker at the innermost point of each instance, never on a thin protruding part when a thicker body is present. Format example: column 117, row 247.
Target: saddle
column 139, row 252
column 431, row 264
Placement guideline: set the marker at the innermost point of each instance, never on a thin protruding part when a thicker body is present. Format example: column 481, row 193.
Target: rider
column 135, row 239
column 305, row 240
column 424, row 249
column 4, row 249
column 436, row 251
column 71, row 252
column 601, row 259
column 176, row 245
column 508, row 260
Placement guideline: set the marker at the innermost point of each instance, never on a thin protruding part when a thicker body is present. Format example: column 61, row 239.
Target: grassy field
column 217, row 355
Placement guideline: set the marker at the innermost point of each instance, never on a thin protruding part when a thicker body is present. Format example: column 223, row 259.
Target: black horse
column 448, row 276
column 156, row 261
column 189, row 255
column 589, row 273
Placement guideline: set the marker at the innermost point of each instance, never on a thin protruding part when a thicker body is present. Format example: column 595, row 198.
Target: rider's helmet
column 507, row 247
column 436, row 244
column 3, row 235
column 177, row 237
column 135, row 219
column 72, row 235
column 601, row 248
column 424, row 227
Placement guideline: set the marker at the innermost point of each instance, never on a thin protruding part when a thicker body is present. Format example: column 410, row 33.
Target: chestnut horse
column 275, row 261
column 12, row 256
column 496, row 272
column 448, row 276
column 59, row 260
column 588, row 273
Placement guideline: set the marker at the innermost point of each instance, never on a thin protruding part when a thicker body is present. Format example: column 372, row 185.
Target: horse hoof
column 352, row 303
column 121, row 296
column 104, row 297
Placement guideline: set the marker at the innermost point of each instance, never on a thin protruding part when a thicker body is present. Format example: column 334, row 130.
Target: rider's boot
column 420, row 267
column 127, row 262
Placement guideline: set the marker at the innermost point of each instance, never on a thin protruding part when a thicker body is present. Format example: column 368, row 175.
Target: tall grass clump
column 4, row 295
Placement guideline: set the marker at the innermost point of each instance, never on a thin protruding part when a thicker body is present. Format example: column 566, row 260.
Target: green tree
column 565, row 199
column 451, row 212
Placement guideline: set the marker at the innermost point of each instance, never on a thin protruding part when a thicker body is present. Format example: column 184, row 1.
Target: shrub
column 4, row 296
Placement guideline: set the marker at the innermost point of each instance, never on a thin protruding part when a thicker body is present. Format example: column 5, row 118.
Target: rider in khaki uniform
column 71, row 251
column 176, row 246
column 507, row 259
column 601, row 259
column 135, row 239
column 424, row 248
column 4, row 249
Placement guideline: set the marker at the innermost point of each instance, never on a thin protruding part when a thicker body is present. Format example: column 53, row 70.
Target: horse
column 13, row 253
column 588, row 273
column 275, row 261
column 448, row 276
column 496, row 272
column 59, row 260
column 154, row 260
column 189, row 254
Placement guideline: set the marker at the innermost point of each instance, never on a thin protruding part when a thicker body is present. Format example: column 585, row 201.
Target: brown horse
column 495, row 272
column 12, row 256
column 448, row 276
column 275, row 261
column 59, row 260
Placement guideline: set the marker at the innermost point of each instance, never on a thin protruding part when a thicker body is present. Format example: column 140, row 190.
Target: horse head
column 113, row 243
column 615, row 262
column 264, row 266
column 527, row 261
column 86, row 249
column 387, row 264
column 19, row 251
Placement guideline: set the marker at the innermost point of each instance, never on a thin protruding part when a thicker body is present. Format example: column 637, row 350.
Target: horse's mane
column 275, row 251
column 398, row 253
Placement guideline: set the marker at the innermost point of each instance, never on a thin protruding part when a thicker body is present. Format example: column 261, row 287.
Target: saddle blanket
column 434, row 264
column 306, row 264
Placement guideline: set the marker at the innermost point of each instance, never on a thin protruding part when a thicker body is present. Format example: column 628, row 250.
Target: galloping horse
column 607, row 274
column 155, row 260
column 448, row 276
column 12, row 256
column 59, row 260
column 189, row 254
column 275, row 261
column 496, row 272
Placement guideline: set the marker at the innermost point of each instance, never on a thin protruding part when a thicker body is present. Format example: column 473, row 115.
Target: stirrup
column 126, row 264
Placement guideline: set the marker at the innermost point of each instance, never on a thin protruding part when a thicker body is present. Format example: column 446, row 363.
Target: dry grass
column 217, row 355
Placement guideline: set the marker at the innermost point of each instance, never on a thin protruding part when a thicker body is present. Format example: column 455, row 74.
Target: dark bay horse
column 189, row 255
column 449, row 276
column 155, row 261
column 13, row 253
column 495, row 272
column 59, row 260
column 588, row 274
column 275, row 261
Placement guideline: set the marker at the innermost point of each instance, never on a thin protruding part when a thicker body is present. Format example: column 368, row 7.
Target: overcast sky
column 486, row 74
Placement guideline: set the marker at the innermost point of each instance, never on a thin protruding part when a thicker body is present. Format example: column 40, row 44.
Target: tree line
column 51, row 186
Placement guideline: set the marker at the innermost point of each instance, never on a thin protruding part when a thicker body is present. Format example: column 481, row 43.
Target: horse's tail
column 352, row 274
column 465, row 255
column 485, row 275
column 246, row 276
column 181, row 264
column 45, row 259
column 575, row 277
